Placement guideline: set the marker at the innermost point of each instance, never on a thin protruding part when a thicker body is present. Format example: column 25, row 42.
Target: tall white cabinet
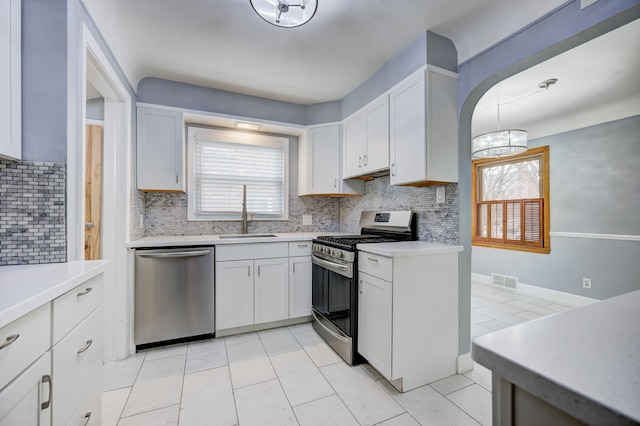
column 10, row 79
column 160, row 149
column 408, row 311
column 320, row 163
column 423, row 128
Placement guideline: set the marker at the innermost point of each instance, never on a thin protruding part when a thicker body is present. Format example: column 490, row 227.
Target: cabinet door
column 354, row 140
column 376, row 151
column 408, row 126
column 324, row 148
column 10, row 86
column 271, row 290
column 299, row 286
column 27, row 399
column 234, row 294
column 160, row 153
column 375, row 322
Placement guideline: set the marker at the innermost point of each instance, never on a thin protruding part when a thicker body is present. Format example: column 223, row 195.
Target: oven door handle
column 331, row 332
column 323, row 262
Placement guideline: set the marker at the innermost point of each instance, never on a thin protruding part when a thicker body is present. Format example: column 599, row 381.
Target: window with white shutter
column 221, row 162
column 511, row 201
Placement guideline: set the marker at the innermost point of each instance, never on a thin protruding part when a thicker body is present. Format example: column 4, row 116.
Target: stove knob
column 339, row 254
column 327, row 250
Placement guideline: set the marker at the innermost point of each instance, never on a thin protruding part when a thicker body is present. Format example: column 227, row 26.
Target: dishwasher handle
column 176, row 254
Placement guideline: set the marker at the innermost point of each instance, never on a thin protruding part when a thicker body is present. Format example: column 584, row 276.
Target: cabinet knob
column 365, row 160
column 359, row 161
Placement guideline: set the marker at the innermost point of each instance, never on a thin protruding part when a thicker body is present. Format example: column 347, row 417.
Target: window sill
column 539, row 250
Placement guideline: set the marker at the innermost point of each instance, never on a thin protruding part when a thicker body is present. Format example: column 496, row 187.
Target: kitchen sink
column 224, row 237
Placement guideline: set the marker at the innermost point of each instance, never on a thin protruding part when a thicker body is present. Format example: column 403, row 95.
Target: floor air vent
column 504, row 281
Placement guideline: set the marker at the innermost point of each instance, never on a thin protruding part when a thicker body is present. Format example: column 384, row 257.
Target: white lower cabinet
column 27, row 400
column 374, row 312
column 51, row 361
column 408, row 316
column 299, row 286
column 252, row 284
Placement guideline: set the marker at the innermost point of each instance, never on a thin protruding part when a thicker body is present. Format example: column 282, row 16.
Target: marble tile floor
column 290, row 376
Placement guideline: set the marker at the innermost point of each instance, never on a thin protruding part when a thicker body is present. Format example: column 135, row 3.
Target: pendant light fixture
column 283, row 13
column 499, row 143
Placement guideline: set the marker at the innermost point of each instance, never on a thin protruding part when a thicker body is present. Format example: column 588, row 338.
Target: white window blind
column 222, row 162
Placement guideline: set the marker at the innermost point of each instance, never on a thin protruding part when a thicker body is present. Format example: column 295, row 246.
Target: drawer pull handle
column 9, row 341
column 371, row 259
column 46, row 379
column 87, row 417
column 86, row 291
column 85, row 347
column 303, row 245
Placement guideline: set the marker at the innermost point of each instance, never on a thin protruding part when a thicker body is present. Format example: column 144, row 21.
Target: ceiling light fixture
column 282, row 13
column 499, row 143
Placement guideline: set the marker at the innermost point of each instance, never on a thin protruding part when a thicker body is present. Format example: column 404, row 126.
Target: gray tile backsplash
column 437, row 223
column 32, row 212
column 166, row 214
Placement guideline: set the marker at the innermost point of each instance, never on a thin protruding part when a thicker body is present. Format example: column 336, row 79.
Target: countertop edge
column 410, row 249
column 203, row 240
column 56, row 289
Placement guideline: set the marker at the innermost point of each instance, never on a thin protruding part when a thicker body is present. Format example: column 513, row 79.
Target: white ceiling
column 598, row 81
column 224, row 44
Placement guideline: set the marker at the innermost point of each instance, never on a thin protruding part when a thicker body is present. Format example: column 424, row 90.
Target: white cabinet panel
column 366, row 139
column 160, row 150
column 10, row 79
column 423, row 129
column 374, row 322
column 89, row 412
column 77, row 364
column 320, row 163
column 300, row 248
column 299, row 286
column 30, row 336
column 71, row 308
column 234, row 294
column 271, row 290
column 27, row 400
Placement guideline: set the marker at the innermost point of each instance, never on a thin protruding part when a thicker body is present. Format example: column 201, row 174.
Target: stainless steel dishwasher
column 174, row 295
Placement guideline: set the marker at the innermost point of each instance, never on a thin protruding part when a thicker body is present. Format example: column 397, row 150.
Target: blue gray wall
column 557, row 32
column 594, row 189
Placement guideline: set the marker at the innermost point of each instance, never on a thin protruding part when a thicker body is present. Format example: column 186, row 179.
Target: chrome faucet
column 245, row 221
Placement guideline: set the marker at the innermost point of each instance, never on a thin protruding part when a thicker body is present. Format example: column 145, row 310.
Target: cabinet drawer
column 30, row 336
column 89, row 412
column 299, row 248
column 74, row 306
column 378, row 266
column 77, row 364
column 251, row 251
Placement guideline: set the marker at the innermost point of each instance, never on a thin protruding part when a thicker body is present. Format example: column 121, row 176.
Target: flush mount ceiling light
column 283, row 13
column 500, row 143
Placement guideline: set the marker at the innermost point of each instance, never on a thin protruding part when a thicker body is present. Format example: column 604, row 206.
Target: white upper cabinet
column 10, row 79
column 320, row 165
column 423, row 128
column 366, row 140
column 160, row 149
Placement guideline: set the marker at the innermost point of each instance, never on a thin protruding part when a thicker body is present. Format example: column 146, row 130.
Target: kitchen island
column 575, row 367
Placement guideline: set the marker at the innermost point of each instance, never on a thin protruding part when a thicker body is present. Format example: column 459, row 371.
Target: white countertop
column 585, row 362
column 24, row 288
column 200, row 240
column 408, row 248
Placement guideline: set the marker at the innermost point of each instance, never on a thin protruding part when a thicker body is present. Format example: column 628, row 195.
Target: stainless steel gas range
column 335, row 276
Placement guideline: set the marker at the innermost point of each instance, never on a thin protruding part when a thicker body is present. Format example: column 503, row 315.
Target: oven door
column 333, row 293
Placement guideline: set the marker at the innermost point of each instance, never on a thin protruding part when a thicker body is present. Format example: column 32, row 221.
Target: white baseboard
column 545, row 293
column 465, row 363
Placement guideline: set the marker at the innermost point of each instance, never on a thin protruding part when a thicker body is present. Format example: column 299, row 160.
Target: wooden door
column 93, row 193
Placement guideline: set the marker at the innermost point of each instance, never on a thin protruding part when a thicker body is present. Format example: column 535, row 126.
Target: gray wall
column 555, row 33
column 95, row 109
column 595, row 189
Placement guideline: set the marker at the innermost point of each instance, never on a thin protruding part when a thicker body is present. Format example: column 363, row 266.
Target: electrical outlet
column 586, row 283
column 307, row 219
column 440, row 195
column 141, row 221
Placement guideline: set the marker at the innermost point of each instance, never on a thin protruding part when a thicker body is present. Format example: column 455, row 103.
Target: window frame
column 545, row 246
column 239, row 137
